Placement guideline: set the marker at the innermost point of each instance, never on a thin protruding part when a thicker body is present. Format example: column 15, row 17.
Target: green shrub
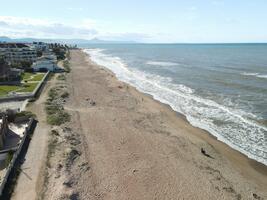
column 55, row 111
column 65, row 95
column 61, row 77
column 66, row 66
column 26, row 114
column 58, row 118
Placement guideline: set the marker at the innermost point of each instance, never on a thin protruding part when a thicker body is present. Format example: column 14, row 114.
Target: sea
column 221, row 88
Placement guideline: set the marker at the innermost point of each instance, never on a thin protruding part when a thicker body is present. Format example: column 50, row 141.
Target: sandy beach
column 121, row 144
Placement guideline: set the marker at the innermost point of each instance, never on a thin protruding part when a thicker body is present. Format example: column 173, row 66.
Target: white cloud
column 17, row 27
column 29, row 27
column 140, row 37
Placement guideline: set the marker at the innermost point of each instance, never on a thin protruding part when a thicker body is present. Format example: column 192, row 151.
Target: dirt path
column 28, row 182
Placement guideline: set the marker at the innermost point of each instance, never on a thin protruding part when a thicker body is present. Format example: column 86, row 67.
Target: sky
column 149, row 21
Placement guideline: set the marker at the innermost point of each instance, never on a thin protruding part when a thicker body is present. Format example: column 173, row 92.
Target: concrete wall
column 3, row 130
column 15, row 156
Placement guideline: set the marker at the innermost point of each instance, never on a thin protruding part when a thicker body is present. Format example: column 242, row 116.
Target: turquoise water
column 220, row 88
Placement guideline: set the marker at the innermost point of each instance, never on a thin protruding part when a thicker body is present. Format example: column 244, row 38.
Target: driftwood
column 205, row 154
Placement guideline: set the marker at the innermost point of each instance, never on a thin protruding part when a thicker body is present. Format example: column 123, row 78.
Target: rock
column 74, row 196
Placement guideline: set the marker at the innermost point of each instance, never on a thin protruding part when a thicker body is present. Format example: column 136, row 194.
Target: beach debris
column 72, row 154
column 135, row 170
column 84, row 166
column 59, row 166
column 68, row 183
column 257, row 197
column 93, row 103
column 120, row 87
column 205, row 153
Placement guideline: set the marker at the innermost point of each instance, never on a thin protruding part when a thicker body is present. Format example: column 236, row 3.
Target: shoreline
column 239, row 159
column 128, row 145
column 253, row 161
column 237, row 145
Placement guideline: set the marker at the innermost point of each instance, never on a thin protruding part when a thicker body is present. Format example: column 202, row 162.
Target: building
column 15, row 53
column 8, row 74
column 3, row 129
column 48, row 62
column 4, row 70
column 40, row 46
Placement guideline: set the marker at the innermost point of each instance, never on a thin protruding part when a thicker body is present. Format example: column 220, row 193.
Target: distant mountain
column 65, row 41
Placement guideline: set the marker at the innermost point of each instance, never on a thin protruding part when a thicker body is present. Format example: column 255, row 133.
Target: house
column 41, row 46
column 48, row 62
column 4, row 70
column 15, row 53
column 7, row 73
column 3, row 129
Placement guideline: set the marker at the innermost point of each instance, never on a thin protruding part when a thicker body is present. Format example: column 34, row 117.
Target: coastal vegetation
column 56, row 115
column 59, row 50
column 61, row 77
column 66, row 65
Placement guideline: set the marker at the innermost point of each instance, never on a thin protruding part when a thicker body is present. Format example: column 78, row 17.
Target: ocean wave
column 255, row 75
column 235, row 130
column 163, row 64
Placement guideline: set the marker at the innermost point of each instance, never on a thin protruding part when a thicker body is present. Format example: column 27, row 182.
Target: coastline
column 139, row 148
column 239, row 159
column 208, row 136
column 235, row 130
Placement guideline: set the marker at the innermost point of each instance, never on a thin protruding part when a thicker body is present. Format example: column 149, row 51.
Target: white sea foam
column 262, row 76
column 255, row 75
column 163, row 64
column 235, row 130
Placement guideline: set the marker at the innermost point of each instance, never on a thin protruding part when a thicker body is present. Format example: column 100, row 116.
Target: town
column 24, row 70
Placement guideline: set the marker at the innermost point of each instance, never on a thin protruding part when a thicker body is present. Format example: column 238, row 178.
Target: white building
column 17, row 52
column 40, row 46
column 48, row 62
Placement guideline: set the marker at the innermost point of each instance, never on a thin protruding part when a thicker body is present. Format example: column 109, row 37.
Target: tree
column 26, row 64
column 39, row 53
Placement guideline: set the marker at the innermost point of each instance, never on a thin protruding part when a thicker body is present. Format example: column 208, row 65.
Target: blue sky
column 140, row 20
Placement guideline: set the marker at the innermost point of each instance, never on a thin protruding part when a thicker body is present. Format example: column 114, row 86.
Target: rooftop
column 12, row 45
